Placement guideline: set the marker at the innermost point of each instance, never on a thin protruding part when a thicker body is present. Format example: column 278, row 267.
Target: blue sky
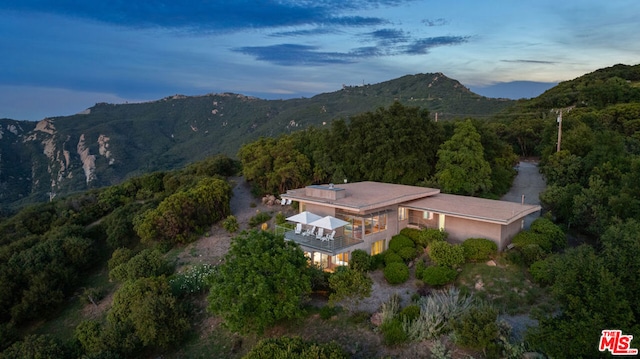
column 59, row 57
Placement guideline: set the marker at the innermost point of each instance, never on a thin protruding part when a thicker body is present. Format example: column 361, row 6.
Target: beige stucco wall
column 508, row 232
column 460, row 229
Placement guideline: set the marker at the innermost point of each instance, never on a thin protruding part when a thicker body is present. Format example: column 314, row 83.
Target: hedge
column 439, row 275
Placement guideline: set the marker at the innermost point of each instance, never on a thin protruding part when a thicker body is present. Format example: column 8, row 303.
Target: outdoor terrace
column 338, row 245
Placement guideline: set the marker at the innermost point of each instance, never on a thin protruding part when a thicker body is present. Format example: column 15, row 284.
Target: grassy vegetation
column 506, row 286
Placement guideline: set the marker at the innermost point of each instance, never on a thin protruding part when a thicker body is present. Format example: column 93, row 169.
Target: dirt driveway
column 529, row 182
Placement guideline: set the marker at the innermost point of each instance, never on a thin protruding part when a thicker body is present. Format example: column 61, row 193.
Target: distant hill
column 107, row 143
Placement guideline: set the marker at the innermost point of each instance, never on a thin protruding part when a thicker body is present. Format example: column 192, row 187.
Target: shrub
column 420, row 267
column 412, row 233
column 479, row 249
column 526, row 238
column 259, row 218
column 542, row 270
column 393, row 333
column 408, row 253
column 436, row 311
column 396, row 273
column 392, row 257
column 377, row 261
column 400, row 241
column 328, row 311
column 295, row 348
column 439, row 275
column 532, row 253
column 192, row 281
column 147, row 263
column 552, row 233
column 431, row 235
column 446, row 254
column 477, row 328
column 230, row 224
column 360, row 261
column 410, row 313
column 120, row 256
column 280, row 218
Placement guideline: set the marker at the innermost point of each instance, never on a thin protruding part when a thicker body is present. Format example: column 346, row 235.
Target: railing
column 334, row 246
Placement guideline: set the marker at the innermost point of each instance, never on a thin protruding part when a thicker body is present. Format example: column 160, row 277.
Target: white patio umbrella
column 304, row 217
column 329, row 222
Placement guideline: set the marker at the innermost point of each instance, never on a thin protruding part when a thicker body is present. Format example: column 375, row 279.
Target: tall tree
column 461, row 167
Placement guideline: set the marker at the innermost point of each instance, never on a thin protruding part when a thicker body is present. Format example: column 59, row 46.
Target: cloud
column 309, row 32
column 435, row 22
column 524, row 61
column 422, row 46
column 293, row 54
column 214, row 15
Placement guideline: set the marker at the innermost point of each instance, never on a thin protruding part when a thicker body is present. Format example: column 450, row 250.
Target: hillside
column 108, row 143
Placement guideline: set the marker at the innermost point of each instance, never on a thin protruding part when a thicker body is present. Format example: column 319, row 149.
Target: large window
column 354, row 228
column 375, row 223
column 377, row 247
column 341, row 259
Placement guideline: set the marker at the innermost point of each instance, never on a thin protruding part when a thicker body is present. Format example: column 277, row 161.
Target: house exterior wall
column 460, row 229
column 508, row 232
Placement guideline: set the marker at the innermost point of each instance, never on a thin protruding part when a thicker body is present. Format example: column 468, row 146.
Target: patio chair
column 289, row 202
column 320, row 233
column 283, row 202
column 299, row 228
column 330, row 236
column 309, row 232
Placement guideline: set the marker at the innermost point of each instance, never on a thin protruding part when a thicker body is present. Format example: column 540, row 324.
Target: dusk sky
column 59, row 57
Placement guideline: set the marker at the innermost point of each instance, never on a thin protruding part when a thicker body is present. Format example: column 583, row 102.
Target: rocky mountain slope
column 108, row 143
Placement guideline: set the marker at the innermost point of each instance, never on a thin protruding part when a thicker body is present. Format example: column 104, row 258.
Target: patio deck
column 333, row 247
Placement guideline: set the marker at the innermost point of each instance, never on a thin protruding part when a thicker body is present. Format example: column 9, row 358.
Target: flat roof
column 361, row 197
column 481, row 209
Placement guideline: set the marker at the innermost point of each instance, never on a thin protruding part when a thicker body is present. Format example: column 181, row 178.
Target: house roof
column 481, row 209
column 361, row 197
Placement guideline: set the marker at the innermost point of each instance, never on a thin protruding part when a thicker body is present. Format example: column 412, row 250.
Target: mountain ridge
column 107, row 143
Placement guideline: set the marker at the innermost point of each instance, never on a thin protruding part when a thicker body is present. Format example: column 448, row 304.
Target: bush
column 479, row 249
column 477, row 328
column 393, row 333
column 400, row 241
column 420, row 267
column 295, row 348
column 396, row 273
column 259, row 218
column 408, row 253
column 230, row 224
column 552, row 233
column 392, row 257
column 360, row 261
column 147, row 263
column 328, row 311
column 431, row 235
column 446, row 254
column 412, row 233
column 532, row 253
column 192, row 281
column 377, row 261
column 410, row 313
column 542, row 271
column 280, row 218
column 439, row 275
column 526, row 238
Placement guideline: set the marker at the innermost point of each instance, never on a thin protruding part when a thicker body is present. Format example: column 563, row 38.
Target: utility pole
column 559, row 130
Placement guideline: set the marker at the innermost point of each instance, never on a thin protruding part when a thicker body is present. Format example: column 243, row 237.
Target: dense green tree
column 147, row 263
column 461, row 167
column 591, row 298
column 263, row 279
column 36, row 347
column 476, row 328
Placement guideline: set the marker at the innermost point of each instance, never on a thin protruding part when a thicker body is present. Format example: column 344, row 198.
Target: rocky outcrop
column 88, row 160
column 103, row 148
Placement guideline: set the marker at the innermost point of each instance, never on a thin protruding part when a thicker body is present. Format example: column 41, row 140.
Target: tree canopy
column 263, row 279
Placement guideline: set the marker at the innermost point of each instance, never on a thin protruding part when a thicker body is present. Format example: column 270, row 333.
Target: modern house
column 374, row 212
